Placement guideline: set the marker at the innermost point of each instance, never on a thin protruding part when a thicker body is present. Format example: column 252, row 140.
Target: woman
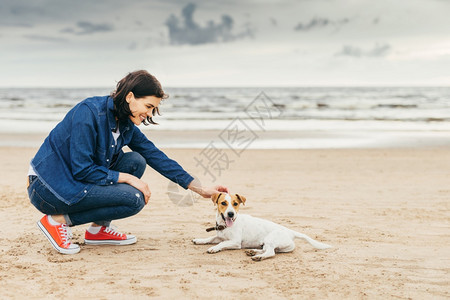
column 80, row 173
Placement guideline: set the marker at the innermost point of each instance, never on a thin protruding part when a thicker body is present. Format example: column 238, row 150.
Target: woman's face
column 141, row 108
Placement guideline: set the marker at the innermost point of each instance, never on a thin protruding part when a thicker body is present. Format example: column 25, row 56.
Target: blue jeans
column 102, row 203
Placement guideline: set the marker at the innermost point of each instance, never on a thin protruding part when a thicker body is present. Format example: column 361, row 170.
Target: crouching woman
column 81, row 175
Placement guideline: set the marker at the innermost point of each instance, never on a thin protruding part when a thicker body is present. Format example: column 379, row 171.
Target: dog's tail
column 312, row 241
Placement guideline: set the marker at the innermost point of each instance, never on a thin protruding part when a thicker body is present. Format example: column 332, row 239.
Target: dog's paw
column 250, row 252
column 214, row 249
column 200, row 241
column 256, row 258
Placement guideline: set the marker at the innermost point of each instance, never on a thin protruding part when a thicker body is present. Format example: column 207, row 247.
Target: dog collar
column 217, row 227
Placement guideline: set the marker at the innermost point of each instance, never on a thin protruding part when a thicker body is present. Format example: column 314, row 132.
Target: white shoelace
column 66, row 234
column 113, row 231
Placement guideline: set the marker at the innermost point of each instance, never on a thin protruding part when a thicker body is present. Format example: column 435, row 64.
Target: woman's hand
column 137, row 183
column 206, row 192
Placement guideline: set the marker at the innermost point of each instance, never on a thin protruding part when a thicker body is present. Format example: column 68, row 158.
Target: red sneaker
column 108, row 236
column 59, row 236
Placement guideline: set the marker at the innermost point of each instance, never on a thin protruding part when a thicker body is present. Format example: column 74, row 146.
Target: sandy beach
column 385, row 211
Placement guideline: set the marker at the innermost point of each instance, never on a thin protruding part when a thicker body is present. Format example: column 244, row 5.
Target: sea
column 264, row 118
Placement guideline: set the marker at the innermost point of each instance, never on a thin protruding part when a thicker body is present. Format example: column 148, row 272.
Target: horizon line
column 238, row 86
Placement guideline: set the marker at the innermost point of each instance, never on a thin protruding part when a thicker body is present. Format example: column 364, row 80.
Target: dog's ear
column 215, row 198
column 241, row 198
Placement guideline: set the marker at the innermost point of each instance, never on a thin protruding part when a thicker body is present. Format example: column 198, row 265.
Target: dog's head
column 228, row 206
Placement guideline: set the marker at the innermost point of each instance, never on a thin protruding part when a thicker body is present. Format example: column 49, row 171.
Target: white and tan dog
column 244, row 231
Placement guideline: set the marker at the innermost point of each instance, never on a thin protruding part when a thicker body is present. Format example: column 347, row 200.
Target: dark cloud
column 44, row 38
column 23, row 9
column 379, row 50
column 38, row 12
column 88, row 28
column 320, row 23
column 186, row 30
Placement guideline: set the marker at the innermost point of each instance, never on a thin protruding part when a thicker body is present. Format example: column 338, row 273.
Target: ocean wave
column 403, row 104
column 396, row 105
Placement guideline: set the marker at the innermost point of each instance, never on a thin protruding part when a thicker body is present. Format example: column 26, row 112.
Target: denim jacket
column 77, row 153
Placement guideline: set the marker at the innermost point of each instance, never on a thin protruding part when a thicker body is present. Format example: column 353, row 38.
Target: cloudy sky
column 225, row 43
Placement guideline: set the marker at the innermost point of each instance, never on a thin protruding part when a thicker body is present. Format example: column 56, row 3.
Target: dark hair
column 141, row 84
